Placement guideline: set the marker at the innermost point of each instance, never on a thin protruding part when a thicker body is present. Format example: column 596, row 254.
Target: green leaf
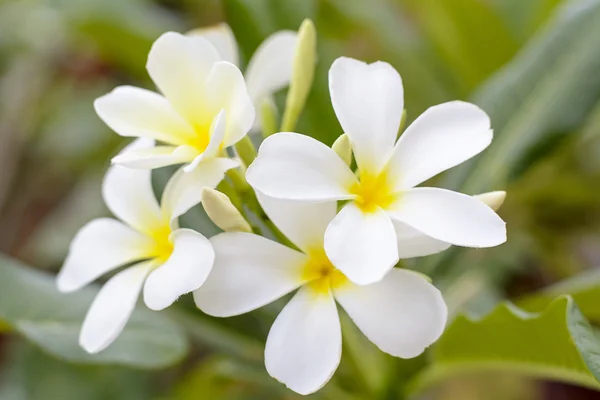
column 32, row 306
column 584, row 288
column 551, row 86
column 557, row 344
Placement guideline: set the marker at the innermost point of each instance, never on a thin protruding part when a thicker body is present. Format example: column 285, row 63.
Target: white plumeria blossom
column 205, row 106
column 402, row 314
column 270, row 67
column 384, row 210
column 168, row 261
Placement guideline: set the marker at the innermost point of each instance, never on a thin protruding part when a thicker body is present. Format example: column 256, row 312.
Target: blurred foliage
column 532, row 65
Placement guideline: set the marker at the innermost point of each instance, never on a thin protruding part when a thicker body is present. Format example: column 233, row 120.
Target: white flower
column 269, row 69
column 168, row 262
column 384, row 205
column 205, row 107
column 402, row 314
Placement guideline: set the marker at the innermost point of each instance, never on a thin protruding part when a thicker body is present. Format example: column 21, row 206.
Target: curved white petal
column 362, row 245
column 304, row 346
column 303, row 223
column 441, row 138
column 186, row 269
column 131, row 111
column 249, row 272
column 112, row 308
column 184, row 189
column 129, row 195
column 226, row 89
column 270, row 68
column 217, row 136
column 222, row 38
column 450, row 217
column 413, row 243
column 297, row 167
column 99, row 247
column 179, row 66
column 368, row 100
column 402, row 314
column 156, row 157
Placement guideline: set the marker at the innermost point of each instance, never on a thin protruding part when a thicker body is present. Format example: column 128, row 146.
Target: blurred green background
column 533, row 65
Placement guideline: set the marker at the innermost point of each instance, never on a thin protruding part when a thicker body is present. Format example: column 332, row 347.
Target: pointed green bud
column 343, row 148
column 303, row 72
column 222, row 212
column 493, row 199
column 268, row 117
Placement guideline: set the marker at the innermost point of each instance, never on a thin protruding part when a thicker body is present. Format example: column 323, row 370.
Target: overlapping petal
column 413, row 243
column 186, row 269
column 442, row 137
column 304, row 346
column 368, row 100
column 402, row 314
column 451, row 217
column 184, row 189
column 361, row 245
column 222, row 38
column 303, row 223
column 249, row 272
column 297, row 167
column 99, row 247
column 112, row 308
column 156, row 157
column 131, row 111
column 179, row 65
column 270, row 68
column 226, row 89
column 128, row 194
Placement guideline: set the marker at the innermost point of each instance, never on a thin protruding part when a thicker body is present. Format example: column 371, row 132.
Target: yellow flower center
column 162, row 247
column 321, row 274
column 201, row 139
column 373, row 191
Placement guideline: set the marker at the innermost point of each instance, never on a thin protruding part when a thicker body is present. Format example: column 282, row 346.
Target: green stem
column 246, row 150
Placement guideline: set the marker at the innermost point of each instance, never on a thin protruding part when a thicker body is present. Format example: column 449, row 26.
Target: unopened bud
column 493, row 199
column 343, row 148
column 222, row 212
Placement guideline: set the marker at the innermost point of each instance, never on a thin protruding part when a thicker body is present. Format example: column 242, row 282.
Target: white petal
column 136, row 112
column 249, row 272
column 450, row 217
column 99, row 247
column 304, row 346
column 185, row 270
column 297, row 167
column 222, row 38
column 303, row 223
column 184, row 189
column 362, row 245
column 217, row 135
column 270, row 68
column 156, row 157
column 413, row 243
column 129, row 195
column 112, row 308
column 441, row 138
column 179, row 66
column 402, row 314
column 226, row 89
column 368, row 101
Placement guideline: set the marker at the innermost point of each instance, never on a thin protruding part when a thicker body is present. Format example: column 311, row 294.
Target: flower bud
column 222, row 212
column 343, row 148
column 493, row 199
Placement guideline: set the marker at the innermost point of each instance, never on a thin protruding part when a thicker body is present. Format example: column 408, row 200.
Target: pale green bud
column 493, row 199
column 268, row 117
column 303, row 72
column 343, row 148
column 222, row 212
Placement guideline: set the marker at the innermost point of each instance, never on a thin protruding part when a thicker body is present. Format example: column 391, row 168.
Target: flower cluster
column 342, row 229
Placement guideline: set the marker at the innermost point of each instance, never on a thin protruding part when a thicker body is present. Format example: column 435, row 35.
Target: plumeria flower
column 205, row 107
column 269, row 68
column 402, row 313
column 167, row 261
column 383, row 205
